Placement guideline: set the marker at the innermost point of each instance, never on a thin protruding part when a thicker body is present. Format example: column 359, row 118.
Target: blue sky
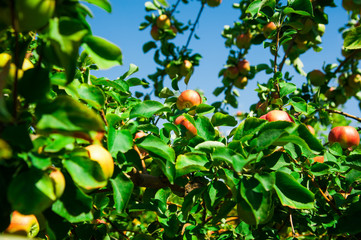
column 122, row 28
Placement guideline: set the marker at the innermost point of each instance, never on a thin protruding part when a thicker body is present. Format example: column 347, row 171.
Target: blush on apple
column 277, row 115
column 188, row 99
column 347, row 136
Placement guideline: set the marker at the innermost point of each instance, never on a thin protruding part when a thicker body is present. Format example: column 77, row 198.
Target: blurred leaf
column 203, row 108
column 147, row 109
column 256, row 6
column 122, row 188
column 301, row 7
column 104, row 4
column 190, row 162
column 132, row 69
column 119, row 141
column 149, row 46
column 17, row 137
column 35, row 84
column 352, row 39
column 209, row 146
column 220, row 119
column 92, row 95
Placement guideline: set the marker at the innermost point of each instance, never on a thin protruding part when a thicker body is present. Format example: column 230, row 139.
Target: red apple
column 244, row 40
column 188, row 99
column 187, row 124
column 243, row 66
column 319, row 159
column 317, row 78
column 154, row 32
column 214, row 3
column 25, row 225
column 232, row 72
column 347, row 136
column 277, row 115
column 163, row 21
column 268, row 28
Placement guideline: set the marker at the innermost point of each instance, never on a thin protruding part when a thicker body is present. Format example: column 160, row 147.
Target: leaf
column 306, row 151
column 190, row 162
column 291, row 193
column 122, row 188
column 287, row 88
column 104, row 4
column 147, row 109
column 203, row 109
column 309, row 138
column 92, row 95
column 149, row 6
column 302, row 7
column 35, row 84
column 156, row 146
column 149, row 46
column 119, row 141
column 266, row 138
column 220, row 119
column 132, row 69
column 209, row 146
column 249, row 127
column 299, row 104
column 105, row 54
column 352, row 39
column 205, row 129
column 256, row 6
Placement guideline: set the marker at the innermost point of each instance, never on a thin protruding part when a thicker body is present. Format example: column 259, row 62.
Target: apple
column 319, row 159
column 25, row 225
column 214, row 3
column 191, row 130
column 321, row 28
column 140, row 134
column 340, row 98
column 311, row 129
column 354, row 81
column 277, row 115
column 268, row 29
column 232, row 72
column 154, row 32
column 102, row 156
column 172, row 70
column 241, row 82
column 307, row 26
column 188, row 99
column 185, row 68
column 349, row 91
column 349, row 5
column 58, row 180
column 347, row 136
column 244, row 40
column 163, row 21
column 317, row 78
column 243, row 66
column 173, row 32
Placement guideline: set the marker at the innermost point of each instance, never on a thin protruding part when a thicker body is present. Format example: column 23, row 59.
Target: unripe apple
column 330, row 93
column 232, row 72
column 58, row 180
column 163, row 21
column 140, row 134
column 214, row 3
column 340, row 98
column 347, row 136
column 277, row 115
column 102, row 156
column 187, row 124
column 317, row 78
column 25, row 225
column 243, row 66
column 354, row 81
column 154, row 32
column 188, row 99
column 307, row 26
column 311, row 129
column 321, row 28
column 268, row 29
column 240, row 82
column 244, row 40
column 172, row 70
column 319, row 159
column 185, row 68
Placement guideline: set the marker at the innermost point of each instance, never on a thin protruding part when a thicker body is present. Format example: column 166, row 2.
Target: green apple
column 214, row 3
column 317, row 78
column 163, row 22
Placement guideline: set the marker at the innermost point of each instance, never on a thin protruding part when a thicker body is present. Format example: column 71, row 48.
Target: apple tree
column 86, row 157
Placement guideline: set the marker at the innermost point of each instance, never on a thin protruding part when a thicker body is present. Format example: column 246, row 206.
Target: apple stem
column 194, row 26
column 341, row 113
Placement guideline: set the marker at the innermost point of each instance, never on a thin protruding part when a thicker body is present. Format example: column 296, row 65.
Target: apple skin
column 243, row 40
column 347, row 136
column 58, row 180
column 172, row 70
column 232, row 72
column 241, row 82
column 243, row 66
column 102, row 156
column 140, row 134
column 317, row 78
column 163, row 22
column 354, row 81
column 268, row 28
column 349, row 5
column 277, row 115
column 188, row 99
column 311, row 129
column 25, row 225
column 185, row 68
column 154, row 32
column 187, row 124
column 319, row 159
column 214, row 3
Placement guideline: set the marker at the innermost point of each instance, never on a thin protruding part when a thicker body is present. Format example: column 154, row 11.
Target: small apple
column 154, row 32
column 232, row 72
column 321, row 28
column 58, row 180
column 319, row 159
column 244, row 40
column 317, row 78
column 330, row 93
column 188, row 99
column 340, row 98
column 191, row 130
column 163, row 21
column 140, row 134
column 349, row 5
column 277, row 115
column 185, row 68
column 25, row 225
column 311, row 129
column 214, row 3
column 243, row 66
column 102, row 156
column 347, row 136
column 241, row 82
column 172, row 70
column 354, row 81
column 268, row 29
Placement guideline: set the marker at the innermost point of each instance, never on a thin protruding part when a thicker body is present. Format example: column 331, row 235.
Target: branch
column 346, row 60
column 277, row 43
column 175, row 7
column 286, row 55
column 194, row 26
column 341, row 113
column 16, row 59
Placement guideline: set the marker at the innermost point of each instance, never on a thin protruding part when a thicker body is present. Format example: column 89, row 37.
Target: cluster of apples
column 351, row 83
column 179, row 69
column 163, row 28
column 238, row 73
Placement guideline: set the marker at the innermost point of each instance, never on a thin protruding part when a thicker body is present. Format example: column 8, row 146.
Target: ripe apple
column 154, row 32
column 240, row 82
column 163, row 21
column 25, row 225
column 187, row 124
column 268, row 28
column 214, row 3
column 244, row 40
column 311, row 129
column 347, row 136
column 354, row 81
column 232, row 72
column 185, row 68
column 317, row 78
column 319, row 159
column 277, row 115
column 243, row 66
column 188, row 99
column 102, row 156
column 58, row 180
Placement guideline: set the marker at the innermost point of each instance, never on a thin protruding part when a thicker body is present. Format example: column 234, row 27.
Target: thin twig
column 346, row 60
column 102, row 114
column 341, row 113
column 116, row 228
column 175, row 7
column 286, row 55
column 194, row 26
column 291, row 222
column 276, row 54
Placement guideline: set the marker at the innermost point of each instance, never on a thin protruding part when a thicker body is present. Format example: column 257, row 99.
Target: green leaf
column 287, row 88
column 306, row 151
column 209, row 146
column 266, row 138
column 122, row 188
column 299, row 104
column 149, row 46
column 301, row 7
column 147, row 109
column 311, row 140
column 35, row 84
column 348, row 222
column 105, row 54
column 149, row 6
column 122, row 88
column 291, row 193
column 352, row 39
column 92, row 95
column 166, row 92
column 119, row 141
column 203, row 108
column 132, row 69
column 256, row 6
column 190, row 162
column 205, row 129
column 156, row 146
column 249, row 127
column 220, row 119
column 104, row 4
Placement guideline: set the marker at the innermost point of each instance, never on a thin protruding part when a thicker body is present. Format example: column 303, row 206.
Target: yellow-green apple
column 268, row 28
column 187, row 124
column 172, row 70
column 347, row 136
column 185, row 68
column 25, row 225
column 188, row 99
column 214, row 3
column 311, row 129
column 354, row 81
column 232, row 72
column 321, row 29
column 102, row 156
column 240, row 82
column 163, row 21
column 317, row 77
column 243, row 66
column 58, row 181
column 154, row 32
column 277, row 115
column 244, row 40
